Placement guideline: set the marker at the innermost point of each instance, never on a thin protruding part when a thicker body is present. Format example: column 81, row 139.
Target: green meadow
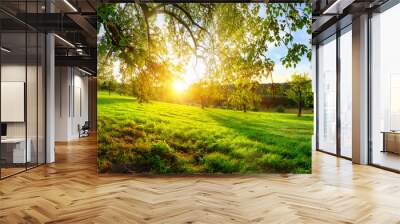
column 161, row 138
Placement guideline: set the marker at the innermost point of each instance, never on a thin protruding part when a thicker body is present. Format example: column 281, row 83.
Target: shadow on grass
column 116, row 100
column 304, row 117
column 260, row 131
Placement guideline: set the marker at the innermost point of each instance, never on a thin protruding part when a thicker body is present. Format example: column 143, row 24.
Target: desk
column 391, row 141
column 15, row 148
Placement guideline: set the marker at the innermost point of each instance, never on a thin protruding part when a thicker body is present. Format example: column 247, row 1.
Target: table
column 13, row 150
column 391, row 141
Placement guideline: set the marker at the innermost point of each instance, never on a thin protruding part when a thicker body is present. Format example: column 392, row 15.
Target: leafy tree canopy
column 154, row 41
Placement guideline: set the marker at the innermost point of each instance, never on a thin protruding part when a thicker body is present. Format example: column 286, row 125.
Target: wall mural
column 191, row 88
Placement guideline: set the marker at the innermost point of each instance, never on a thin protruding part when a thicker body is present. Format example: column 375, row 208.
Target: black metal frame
column 338, row 98
column 316, row 97
column 44, row 80
column 369, row 114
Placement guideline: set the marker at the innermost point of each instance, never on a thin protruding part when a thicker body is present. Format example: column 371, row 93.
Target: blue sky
column 282, row 74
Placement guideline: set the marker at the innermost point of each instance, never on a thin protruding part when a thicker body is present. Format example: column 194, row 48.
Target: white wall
column 80, row 108
column 71, row 102
column 62, row 82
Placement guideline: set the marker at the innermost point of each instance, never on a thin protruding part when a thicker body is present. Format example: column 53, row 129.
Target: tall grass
column 160, row 137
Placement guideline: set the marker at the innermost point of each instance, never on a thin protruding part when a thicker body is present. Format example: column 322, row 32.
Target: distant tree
column 105, row 76
column 123, row 84
column 199, row 94
column 300, row 91
column 244, row 96
column 204, row 92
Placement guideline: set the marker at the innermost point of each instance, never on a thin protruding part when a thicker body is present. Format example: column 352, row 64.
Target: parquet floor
column 10, row 171
column 70, row 191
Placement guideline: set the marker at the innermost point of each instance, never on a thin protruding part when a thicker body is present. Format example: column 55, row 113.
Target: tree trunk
column 109, row 88
column 244, row 108
column 300, row 108
column 272, row 89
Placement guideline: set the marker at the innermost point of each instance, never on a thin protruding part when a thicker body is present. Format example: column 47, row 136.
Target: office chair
column 84, row 130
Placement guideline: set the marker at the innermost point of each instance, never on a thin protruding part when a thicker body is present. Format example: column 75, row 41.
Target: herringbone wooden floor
column 70, row 191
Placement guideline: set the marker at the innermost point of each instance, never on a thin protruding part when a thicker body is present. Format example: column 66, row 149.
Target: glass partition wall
column 385, row 89
column 327, row 95
column 334, row 105
column 345, row 62
column 22, row 107
column 334, row 83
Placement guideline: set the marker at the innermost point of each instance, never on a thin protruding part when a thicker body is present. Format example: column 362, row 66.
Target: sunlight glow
column 194, row 71
column 180, row 85
column 116, row 70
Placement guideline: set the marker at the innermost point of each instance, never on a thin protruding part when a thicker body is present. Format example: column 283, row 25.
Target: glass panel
column 327, row 96
column 23, row 88
column 385, row 84
column 13, row 87
column 31, row 98
column 41, row 99
column 32, row 88
column 346, row 94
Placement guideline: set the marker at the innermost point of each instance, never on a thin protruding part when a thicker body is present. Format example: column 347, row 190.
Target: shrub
column 219, row 146
column 280, row 109
column 103, row 165
column 155, row 157
column 273, row 162
column 219, row 163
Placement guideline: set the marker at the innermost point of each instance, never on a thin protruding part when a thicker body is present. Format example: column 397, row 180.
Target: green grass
column 160, row 137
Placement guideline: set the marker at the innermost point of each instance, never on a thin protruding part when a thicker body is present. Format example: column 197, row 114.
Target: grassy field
column 160, row 137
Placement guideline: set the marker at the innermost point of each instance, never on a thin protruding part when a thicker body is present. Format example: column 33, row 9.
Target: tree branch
column 190, row 17
column 183, row 23
column 153, row 11
column 145, row 11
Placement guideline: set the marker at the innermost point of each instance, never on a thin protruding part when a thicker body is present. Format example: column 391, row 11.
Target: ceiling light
column 70, row 5
column 64, row 40
column 5, row 49
column 79, row 51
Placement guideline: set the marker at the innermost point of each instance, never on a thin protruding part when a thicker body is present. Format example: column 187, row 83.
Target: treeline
column 272, row 96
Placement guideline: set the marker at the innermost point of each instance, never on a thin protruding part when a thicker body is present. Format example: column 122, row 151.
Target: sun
column 192, row 73
column 180, row 85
